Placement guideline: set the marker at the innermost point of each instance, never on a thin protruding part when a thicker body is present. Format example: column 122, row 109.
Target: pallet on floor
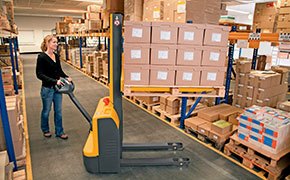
column 104, row 79
column 218, row 141
column 274, row 165
column 143, row 104
column 212, row 91
column 173, row 119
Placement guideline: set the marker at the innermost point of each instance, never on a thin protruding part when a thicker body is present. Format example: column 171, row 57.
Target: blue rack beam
column 6, row 125
column 81, row 56
column 13, row 66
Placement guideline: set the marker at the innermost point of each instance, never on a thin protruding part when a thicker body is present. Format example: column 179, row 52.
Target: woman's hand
column 69, row 79
column 59, row 83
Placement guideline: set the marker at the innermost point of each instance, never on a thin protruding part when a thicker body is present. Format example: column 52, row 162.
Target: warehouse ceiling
column 53, row 8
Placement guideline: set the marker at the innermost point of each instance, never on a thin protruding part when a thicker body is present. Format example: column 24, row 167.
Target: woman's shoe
column 63, row 136
column 47, row 134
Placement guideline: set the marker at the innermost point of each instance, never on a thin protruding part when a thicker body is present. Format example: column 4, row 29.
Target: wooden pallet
column 212, row 91
column 104, row 79
column 19, row 175
column 274, row 165
column 218, row 142
column 95, row 76
column 174, row 119
column 143, row 104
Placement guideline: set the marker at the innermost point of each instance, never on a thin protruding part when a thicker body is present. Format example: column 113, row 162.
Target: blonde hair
column 45, row 41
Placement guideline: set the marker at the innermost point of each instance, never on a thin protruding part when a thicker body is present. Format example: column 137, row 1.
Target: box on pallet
column 189, row 55
column 204, row 128
column 241, row 78
column 164, row 33
column 212, row 76
column 173, row 102
column 285, row 106
column 216, row 36
column 136, row 75
column 136, row 53
column 137, row 32
column 194, row 122
column 187, row 76
column 212, row 113
column 149, row 99
column 191, row 34
column 162, row 75
column 221, row 127
column 214, row 56
column 282, row 71
column 153, row 10
column 163, row 54
column 243, row 66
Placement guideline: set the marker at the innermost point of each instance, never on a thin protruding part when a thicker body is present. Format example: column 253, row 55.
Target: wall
column 32, row 29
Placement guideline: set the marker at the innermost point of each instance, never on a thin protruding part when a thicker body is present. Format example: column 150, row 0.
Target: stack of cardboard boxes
column 284, row 106
column 149, row 100
column 214, row 122
column 7, row 80
column 92, row 18
column 264, row 88
column 283, row 25
column 170, row 104
column 182, row 11
column 133, row 10
column 16, row 125
column 172, row 54
column 265, row 17
column 90, row 64
column 265, row 127
column 7, row 16
column 75, row 55
column 99, row 57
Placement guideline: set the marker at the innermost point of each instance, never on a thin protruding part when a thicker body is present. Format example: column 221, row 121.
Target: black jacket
column 48, row 71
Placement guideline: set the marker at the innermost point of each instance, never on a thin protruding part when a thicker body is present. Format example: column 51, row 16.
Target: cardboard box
column 191, row 34
column 163, row 54
column 93, row 25
column 172, row 110
column 93, row 8
column 164, row 33
column 163, row 106
column 162, row 75
column 233, row 119
column 187, row 76
column 173, row 102
column 241, row 78
column 283, row 71
column 216, row 36
column 221, row 127
column 267, row 80
column 214, row 56
column 225, row 115
column 284, row 10
column 204, row 128
column 189, row 55
column 137, row 32
column 133, row 10
column 212, row 113
column 212, row 76
column 240, row 89
column 285, row 3
column 153, row 10
column 136, row 53
column 243, row 66
column 193, row 123
column 136, row 75
column 263, row 93
column 284, row 106
column 92, row 16
column 149, row 99
column 249, row 91
column 116, row 6
column 163, row 99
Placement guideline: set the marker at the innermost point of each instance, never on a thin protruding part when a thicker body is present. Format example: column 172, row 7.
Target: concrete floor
column 58, row 159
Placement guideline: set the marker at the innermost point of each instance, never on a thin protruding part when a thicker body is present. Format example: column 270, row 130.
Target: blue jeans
column 49, row 96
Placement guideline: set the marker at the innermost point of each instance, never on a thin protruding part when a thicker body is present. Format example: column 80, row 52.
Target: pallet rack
column 13, row 47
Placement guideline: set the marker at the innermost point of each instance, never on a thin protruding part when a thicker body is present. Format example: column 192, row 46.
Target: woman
column 49, row 71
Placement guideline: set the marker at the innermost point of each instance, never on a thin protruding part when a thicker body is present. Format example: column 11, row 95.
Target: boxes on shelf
column 194, row 122
column 137, row 32
column 187, row 76
column 136, row 53
column 163, row 54
column 93, row 25
column 216, row 35
column 153, row 10
column 93, row 8
column 214, row 56
column 136, row 75
column 133, row 10
column 62, row 27
column 189, row 55
column 162, row 75
column 191, row 34
column 243, row 66
column 115, row 6
column 91, row 16
column 212, row 76
column 149, row 99
column 164, row 33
